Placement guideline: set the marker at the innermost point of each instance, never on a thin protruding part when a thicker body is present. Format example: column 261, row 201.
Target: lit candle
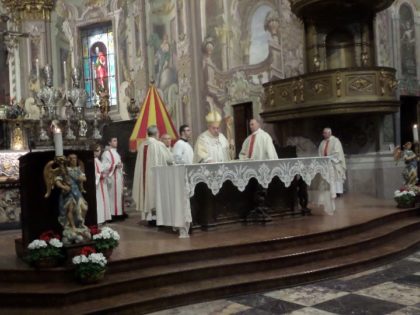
column 415, row 134
column 65, row 75
column 58, row 142
column 37, row 68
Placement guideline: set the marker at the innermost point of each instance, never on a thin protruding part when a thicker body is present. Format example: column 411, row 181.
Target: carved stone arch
column 399, row 3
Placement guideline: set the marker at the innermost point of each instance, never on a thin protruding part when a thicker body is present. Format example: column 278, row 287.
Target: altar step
column 145, row 284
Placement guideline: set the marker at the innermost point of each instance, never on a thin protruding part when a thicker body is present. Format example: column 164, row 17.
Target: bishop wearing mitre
column 331, row 147
column 212, row 146
column 150, row 153
column 259, row 145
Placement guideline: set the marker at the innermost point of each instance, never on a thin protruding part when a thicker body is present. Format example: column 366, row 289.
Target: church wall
column 200, row 53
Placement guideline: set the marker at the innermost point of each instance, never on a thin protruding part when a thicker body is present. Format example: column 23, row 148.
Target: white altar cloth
column 175, row 184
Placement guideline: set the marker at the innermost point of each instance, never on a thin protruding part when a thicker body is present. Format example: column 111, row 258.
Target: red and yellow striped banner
column 152, row 112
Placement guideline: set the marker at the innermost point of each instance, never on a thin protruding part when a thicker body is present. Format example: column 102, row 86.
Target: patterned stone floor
column 389, row 290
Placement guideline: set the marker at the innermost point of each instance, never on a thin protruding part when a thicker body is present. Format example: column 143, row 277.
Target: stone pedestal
column 374, row 174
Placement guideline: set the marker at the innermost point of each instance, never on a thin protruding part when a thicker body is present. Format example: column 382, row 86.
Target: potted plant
column 90, row 266
column 45, row 252
column 405, row 198
column 106, row 239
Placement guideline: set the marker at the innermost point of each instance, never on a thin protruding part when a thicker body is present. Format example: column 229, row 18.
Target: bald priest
column 259, row 145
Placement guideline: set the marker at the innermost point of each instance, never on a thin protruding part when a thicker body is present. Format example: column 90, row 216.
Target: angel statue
column 410, row 159
column 68, row 175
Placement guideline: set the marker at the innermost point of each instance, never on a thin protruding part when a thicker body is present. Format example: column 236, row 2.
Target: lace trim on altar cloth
column 241, row 172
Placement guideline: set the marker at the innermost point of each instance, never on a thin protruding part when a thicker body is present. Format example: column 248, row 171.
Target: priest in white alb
column 258, row 145
column 113, row 171
column 150, row 153
column 331, row 147
column 103, row 211
column 212, row 146
column 182, row 150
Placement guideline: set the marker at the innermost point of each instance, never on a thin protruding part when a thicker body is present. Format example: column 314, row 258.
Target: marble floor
column 393, row 289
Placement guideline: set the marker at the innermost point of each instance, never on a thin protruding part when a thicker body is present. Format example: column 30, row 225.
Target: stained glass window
column 99, row 63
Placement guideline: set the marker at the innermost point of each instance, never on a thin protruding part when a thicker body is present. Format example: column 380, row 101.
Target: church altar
column 176, row 184
column 9, row 189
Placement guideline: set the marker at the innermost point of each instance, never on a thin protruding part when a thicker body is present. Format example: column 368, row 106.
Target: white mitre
column 214, row 118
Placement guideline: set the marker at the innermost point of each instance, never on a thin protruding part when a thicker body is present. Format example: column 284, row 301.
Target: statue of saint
column 69, row 177
column 410, row 159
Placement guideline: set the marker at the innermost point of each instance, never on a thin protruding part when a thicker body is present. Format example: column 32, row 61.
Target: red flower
column 48, row 235
column 94, row 229
column 87, row 250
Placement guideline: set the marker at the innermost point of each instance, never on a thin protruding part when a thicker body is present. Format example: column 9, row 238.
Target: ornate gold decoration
column 382, row 81
column 104, row 105
column 361, row 85
column 301, row 86
column 338, row 82
column 295, row 91
column 30, row 9
column 284, row 93
column 319, row 87
column 346, row 91
column 270, row 98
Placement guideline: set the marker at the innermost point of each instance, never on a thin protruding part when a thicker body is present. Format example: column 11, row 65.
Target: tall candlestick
column 415, row 134
column 65, row 75
column 58, row 142
column 37, row 68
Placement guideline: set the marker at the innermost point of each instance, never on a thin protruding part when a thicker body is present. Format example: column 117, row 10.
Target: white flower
column 106, row 234
column 36, row 244
column 77, row 260
column 98, row 258
column 55, row 242
column 84, row 259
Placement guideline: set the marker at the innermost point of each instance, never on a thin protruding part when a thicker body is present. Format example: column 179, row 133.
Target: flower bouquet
column 90, row 265
column 45, row 252
column 405, row 198
column 106, row 239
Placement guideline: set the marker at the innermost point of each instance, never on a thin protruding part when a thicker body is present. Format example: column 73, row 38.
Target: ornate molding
column 357, row 90
column 30, row 9
column 315, row 8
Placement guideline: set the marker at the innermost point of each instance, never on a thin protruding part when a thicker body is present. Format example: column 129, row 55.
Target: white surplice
column 150, row 153
column 258, row 146
column 332, row 148
column 103, row 211
column 183, row 152
column 211, row 149
column 115, row 180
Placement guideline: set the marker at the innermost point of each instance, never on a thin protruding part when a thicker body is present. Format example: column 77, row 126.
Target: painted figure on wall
column 162, row 58
column 408, row 42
